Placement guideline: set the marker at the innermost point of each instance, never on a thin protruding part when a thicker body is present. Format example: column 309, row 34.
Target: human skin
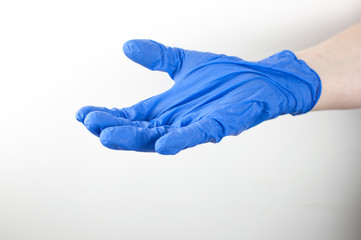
column 337, row 61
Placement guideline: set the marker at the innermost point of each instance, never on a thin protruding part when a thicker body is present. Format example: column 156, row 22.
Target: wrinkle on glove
column 213, row 96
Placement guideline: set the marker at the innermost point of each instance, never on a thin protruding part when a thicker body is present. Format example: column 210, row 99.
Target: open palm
column 213, row 96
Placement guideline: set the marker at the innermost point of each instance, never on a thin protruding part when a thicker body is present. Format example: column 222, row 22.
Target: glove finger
column 154, row 55
column 137, row 112
column 96, row 121
column 131, row 138
column 84, row 111
column 177, row 139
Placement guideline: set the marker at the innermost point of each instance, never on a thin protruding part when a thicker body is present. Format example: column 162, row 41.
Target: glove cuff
column 297, row 80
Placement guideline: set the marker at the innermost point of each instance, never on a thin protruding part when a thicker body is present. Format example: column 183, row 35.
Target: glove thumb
column 154, row 55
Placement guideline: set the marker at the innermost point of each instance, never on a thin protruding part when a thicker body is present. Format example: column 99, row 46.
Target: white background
column 290, row 178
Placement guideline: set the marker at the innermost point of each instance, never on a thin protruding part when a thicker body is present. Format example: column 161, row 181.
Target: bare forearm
column 338, row 63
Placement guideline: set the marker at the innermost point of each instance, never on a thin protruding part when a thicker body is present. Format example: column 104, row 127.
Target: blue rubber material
column 213, row 96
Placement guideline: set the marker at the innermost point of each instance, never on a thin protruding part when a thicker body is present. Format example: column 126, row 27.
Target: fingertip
column 84, row 111
column 120, row 137
column 145, row 52
column 81, row 114
column 167, row 146
column 91, row 123
column 106, row 138
column 78, row 116
column 133, row 48
column 128, row 47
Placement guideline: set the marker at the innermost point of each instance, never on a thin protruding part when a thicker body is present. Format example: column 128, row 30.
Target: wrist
column 337, row 61
column 296, row 79
column 316, row 62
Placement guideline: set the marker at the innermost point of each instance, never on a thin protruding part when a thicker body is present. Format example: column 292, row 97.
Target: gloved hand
column 213, row 96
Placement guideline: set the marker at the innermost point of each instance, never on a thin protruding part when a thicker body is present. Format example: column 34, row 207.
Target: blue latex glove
column 213, row 96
